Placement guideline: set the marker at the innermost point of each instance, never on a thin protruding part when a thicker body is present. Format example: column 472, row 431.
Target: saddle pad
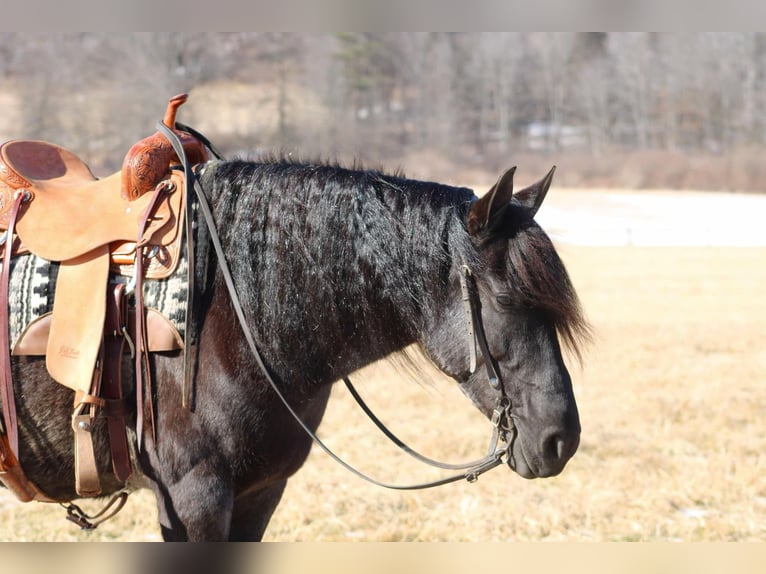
column 33, row 283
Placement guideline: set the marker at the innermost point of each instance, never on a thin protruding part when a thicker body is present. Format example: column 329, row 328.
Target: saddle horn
column 148, row 161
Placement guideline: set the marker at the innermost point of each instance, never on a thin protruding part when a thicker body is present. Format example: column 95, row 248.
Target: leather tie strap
column 87, row 482
column 190, row 183
column 492, row 460
column 142, row 346
column 114, row 344
column 6, row 383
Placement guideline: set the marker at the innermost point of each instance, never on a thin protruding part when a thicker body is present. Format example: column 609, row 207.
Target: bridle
column 503, row 428
column 504, row 431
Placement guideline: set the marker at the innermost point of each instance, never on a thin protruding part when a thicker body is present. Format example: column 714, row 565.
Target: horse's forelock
column 538, row 276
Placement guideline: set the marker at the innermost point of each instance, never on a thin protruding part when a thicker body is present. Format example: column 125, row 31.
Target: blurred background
column 656, row 208
column 630, row 110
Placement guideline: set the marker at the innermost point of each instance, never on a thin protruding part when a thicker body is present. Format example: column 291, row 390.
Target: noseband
column 503, row 427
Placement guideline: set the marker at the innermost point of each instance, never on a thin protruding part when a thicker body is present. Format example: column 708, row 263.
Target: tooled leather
column 148, row 160
column 10, row 181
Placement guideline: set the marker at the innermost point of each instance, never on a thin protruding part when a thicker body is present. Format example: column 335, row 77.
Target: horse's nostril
column 553, row 447
column 557, row 446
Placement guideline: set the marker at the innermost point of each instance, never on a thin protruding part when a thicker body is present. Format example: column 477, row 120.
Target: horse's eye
column 504, row 299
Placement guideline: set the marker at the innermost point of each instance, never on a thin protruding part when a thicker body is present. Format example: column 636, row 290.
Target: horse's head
column 518, row 291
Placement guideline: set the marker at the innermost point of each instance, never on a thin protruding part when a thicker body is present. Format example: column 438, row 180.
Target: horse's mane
column 285, row 158
column 353, row 253
column 391, row 220
column 368, row 243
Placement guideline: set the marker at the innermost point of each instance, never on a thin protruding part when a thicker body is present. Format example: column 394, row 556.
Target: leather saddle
column 130, row 222
column 91, row 225
column 70, row 212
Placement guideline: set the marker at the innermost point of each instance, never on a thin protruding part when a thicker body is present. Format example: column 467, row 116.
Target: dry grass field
column 673, row 409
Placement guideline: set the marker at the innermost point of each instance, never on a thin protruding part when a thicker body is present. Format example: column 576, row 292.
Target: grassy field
column 672, row 404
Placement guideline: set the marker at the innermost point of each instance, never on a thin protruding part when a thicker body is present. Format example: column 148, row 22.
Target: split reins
column 503, row 428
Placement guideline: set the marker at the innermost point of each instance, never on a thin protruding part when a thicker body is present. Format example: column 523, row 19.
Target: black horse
column 335, row 268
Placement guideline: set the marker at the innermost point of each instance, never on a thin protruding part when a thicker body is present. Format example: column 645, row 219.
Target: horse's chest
column 275, row 445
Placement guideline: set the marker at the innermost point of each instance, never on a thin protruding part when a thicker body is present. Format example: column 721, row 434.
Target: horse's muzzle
column 548, row 458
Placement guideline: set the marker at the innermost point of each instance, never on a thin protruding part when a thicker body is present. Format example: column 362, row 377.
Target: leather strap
column 468, row 285
column 13, row 477
column 89, row 522
column 114, row 344
column 6, row 382
column 190, row 345
column 190, row 330
column 11, row 473
column 142, row 347
column 490, row 461
column 87, row 482
column 465, row 272
column 492, row 452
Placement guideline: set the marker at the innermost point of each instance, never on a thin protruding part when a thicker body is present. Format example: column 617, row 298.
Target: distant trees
column 471, row 97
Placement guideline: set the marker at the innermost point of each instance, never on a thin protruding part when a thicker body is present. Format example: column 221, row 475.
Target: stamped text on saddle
column 129, row 223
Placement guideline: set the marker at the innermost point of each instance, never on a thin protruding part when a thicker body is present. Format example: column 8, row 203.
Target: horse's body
column 335, row 268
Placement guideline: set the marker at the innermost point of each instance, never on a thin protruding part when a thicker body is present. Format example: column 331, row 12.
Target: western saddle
column 130, row 223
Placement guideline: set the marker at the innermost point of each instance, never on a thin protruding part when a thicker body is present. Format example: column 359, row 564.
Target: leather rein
column 503, row 431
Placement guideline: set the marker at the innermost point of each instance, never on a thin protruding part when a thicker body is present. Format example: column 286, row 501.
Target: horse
column 335, row 267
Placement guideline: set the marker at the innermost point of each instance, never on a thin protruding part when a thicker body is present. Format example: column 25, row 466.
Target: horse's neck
column 341, row 299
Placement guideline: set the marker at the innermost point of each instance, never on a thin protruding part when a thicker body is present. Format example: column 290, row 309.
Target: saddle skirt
column 32, row 293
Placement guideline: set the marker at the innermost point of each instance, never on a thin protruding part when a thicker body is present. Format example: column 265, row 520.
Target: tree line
column 473, row 98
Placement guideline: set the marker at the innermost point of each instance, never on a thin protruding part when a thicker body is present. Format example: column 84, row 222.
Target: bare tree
column 469, row 97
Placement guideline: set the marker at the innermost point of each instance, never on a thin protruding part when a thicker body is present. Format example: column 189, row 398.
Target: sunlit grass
column 672, row 403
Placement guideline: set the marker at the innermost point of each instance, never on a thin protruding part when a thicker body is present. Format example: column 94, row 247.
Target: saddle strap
column 87, row 482
column 114, row 345
column 13, row 478
column 141, row 343
column 6, row 382
column 11, row 473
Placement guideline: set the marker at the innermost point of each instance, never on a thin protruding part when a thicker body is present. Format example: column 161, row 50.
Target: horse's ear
column 489, row 204
column 532, row 197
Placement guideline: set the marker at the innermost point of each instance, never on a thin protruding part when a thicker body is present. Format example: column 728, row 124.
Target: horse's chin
column 518, row 463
